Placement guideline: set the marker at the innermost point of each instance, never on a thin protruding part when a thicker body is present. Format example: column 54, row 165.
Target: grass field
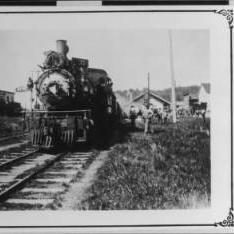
column 169, row 169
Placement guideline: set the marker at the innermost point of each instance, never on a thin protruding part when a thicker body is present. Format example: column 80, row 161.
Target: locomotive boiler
column 74, row 103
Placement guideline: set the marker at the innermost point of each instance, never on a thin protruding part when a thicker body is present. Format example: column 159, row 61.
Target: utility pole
column 173, row 96
column 148, row 91
column 30, row 85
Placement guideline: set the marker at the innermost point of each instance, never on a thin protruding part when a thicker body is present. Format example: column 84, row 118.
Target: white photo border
column 227, row 221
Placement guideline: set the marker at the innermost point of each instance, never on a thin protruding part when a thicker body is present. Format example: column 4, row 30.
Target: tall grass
column 166, row 170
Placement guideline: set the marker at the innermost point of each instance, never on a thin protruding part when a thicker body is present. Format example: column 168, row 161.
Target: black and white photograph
column 132, row 121
column 111, row 118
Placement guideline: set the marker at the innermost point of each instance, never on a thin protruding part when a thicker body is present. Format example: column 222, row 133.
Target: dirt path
column 77, row 191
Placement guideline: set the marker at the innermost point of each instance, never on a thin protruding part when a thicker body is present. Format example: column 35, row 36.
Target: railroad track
column 36, row 180
column 13, row 142
column 11, row 137
column 9, row 157
column 13, row 158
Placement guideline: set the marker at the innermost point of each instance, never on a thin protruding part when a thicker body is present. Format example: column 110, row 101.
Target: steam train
column 73, row 104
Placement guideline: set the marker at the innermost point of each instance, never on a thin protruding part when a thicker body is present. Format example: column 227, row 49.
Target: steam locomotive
column 74, row 103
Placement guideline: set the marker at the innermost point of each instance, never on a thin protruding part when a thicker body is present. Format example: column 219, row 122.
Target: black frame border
column 227, row 222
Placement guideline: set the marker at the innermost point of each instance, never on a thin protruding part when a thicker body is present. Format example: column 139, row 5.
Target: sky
column 126, row 55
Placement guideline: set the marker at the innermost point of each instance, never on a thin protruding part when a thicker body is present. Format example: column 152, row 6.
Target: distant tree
column 180, row 91
column 10, row 109
column 2, row 107
column 13, row 109
column 165, row 93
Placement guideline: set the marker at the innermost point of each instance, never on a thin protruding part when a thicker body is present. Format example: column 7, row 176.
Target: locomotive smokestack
column 62, row 47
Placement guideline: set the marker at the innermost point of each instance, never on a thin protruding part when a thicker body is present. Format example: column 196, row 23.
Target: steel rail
column 18, row 185
column 6, row 138
column 44, row 111
column 14, row 160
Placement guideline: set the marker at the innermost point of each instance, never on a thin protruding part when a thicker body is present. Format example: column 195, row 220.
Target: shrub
column 10, row 109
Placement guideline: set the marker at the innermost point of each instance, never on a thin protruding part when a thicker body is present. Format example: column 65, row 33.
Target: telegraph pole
column 173, row 96
column 148, row 91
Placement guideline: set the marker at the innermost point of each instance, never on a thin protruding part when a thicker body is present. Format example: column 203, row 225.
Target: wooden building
column 200, row 99
column 204, row 95
column 7, row 96
column 155, row 100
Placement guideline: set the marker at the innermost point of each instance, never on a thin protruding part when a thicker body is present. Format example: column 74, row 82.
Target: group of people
column 150, row 116
column 197, row 113
column 153, row 116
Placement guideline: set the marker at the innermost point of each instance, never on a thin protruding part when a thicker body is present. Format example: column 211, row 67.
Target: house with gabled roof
column 200, row 98
column 155, row 100
column 204, row 95
column 6, row 96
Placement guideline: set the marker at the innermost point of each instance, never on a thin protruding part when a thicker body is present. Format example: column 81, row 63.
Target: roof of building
column 193, row 95
column 206, row 87
column 5, row 91
column 152, row 95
